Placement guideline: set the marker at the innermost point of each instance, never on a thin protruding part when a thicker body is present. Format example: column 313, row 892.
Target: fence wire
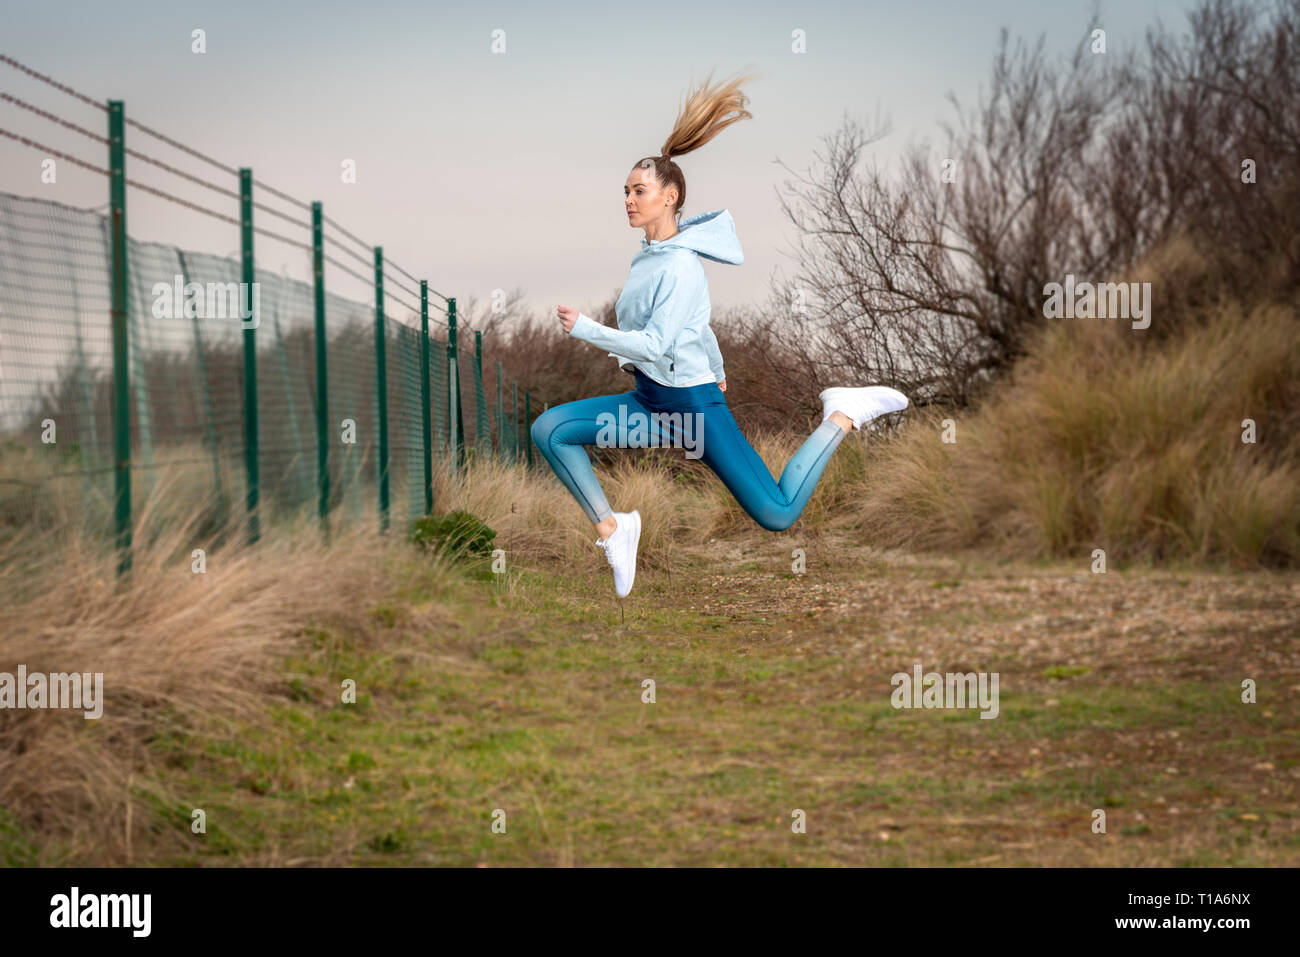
column 186, row 400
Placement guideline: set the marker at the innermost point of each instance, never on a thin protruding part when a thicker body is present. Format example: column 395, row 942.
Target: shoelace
column 604, row 543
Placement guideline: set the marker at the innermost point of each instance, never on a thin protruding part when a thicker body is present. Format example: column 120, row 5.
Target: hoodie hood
column 711, row 234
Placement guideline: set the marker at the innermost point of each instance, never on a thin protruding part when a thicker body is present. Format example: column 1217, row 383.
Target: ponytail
column 707, row 111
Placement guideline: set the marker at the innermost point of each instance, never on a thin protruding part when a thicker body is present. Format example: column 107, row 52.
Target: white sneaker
column 620, row 550
column 862, row 405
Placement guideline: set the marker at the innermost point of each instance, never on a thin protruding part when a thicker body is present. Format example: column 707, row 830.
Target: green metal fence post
column 322, row 378
column 426, row 414
column 121, row 393
column 528, row 431
column 250, row 353
column 381, row 380
column 453, row 366
column 514, row 425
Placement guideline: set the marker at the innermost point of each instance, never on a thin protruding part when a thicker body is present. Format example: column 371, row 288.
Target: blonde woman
column 664, row 339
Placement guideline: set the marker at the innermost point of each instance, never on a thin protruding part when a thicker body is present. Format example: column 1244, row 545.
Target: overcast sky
column 484, row 171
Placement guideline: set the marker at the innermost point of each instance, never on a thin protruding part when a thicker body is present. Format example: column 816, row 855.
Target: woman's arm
column 675, row 300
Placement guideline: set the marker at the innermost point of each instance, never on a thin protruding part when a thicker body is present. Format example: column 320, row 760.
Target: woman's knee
column 544, row 426
column 772, row 518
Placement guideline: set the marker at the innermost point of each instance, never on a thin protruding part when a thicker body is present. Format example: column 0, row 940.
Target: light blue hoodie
column 663, row 312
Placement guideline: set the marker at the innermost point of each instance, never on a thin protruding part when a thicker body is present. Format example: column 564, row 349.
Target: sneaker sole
column 634, row 520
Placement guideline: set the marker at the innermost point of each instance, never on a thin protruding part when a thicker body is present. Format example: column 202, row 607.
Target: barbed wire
column 389, row 262
column 371, row 282
column 208, row 212
column 355, row 239
column 334, row 262
column 393, row 282
column 45, row 114
column 414, row 310
column 404, row 303
column 148, row 159
column 353, row 253
column 150, row 189
column 403, row 272
column 235, row 222
column 53, row 152
column 175, row 144
column 54, row 83
column 369, row 248
column 130, row 122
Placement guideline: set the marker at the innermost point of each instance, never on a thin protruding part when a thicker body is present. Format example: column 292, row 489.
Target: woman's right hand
column 568, row 316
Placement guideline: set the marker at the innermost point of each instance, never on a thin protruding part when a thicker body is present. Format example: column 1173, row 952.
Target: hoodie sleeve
column 715, row 355
column 676, row 298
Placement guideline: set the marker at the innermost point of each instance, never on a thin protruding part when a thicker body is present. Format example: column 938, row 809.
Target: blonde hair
column 708, row 111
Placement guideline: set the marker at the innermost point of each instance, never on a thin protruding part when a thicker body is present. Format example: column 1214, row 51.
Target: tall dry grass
column 1099, row 440
column 680, row 501
column 178, row 651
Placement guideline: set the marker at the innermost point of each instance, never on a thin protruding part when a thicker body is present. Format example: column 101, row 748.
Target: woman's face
column 643, row 198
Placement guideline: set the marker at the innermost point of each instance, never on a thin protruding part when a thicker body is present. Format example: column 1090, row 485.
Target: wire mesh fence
column 255, row 394
column 187, row 401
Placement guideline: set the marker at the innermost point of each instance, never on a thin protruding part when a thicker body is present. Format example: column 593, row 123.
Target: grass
column 364, row 702
column 524, row 693
column 1103, row 439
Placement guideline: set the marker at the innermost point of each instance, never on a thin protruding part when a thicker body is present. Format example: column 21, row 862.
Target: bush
column 454, row 532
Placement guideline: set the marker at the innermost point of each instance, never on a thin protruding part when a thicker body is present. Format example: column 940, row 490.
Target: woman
column 664, row 340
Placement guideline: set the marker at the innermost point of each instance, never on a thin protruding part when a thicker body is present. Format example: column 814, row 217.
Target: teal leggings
column 694, row 418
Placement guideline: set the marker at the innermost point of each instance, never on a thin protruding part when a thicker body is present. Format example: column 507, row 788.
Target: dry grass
column 839, row 483
column 1098, row 441
column 537, row 519
column 681, row 502
column 177, row 649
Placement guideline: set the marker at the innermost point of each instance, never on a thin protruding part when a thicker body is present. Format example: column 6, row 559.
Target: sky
column 484, row 171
